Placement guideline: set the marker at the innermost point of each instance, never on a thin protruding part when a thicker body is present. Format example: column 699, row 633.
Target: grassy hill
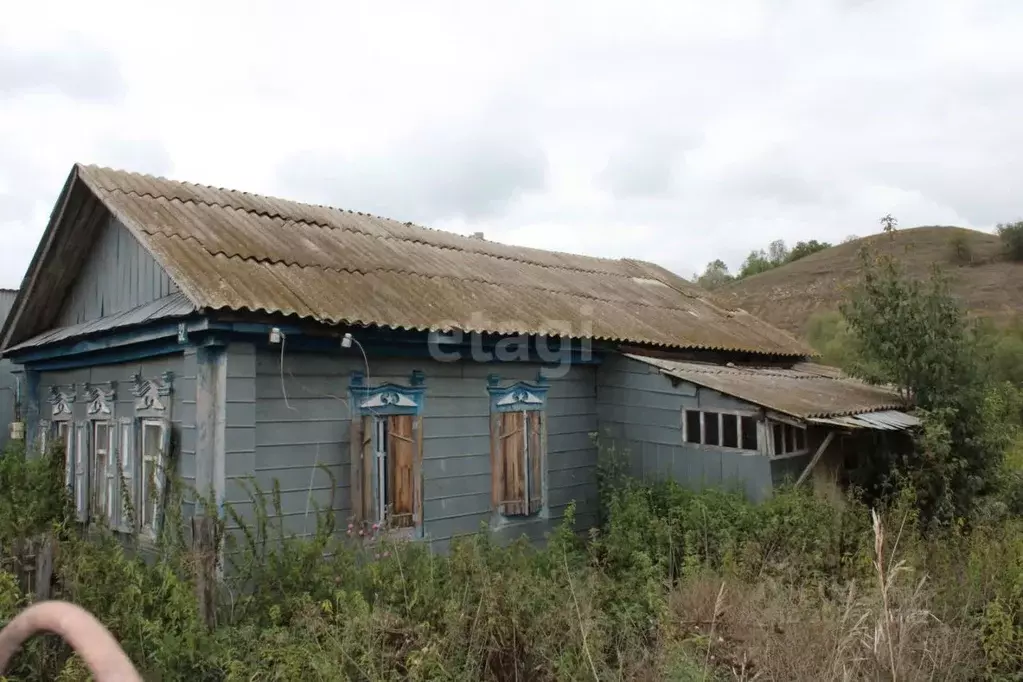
column 789, row 295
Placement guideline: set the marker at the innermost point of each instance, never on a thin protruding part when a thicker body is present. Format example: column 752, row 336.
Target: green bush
column 1011, row 235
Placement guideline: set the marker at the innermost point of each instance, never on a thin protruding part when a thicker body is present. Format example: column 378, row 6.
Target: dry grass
column 771, row 631
column 788, row 296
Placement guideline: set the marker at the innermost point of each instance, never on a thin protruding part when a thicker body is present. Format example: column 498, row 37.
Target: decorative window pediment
column 152, row 396
column 62, row 402
column 387, row 399
column 100, row 400
column 518, row 397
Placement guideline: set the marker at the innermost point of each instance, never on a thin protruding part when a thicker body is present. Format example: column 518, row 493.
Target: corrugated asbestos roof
column 229, row 250
column 885, row 420
column 168, row 307
column 806, row 390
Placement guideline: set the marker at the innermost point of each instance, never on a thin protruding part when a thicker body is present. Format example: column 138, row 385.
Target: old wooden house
column 392, row 373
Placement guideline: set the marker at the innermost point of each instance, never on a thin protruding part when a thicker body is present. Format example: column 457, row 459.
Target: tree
column 914, row 336
column 1011, row 235
column 777, row 252
column 804, row 249
column 715, row 275
column 888, row 223
column 756, row 262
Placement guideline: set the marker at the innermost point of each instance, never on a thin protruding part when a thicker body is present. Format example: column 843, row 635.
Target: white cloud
column 673, row 131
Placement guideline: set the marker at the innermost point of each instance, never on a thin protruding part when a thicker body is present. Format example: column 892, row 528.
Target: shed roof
column 805, row 390
column 231, row 250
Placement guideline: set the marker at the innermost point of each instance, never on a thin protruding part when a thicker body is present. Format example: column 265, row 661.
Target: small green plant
column 960, row 250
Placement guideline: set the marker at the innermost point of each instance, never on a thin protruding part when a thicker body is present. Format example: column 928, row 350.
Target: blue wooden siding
column 182, row 403
column 8, row 379
column 640, row 412
column 118, row 275
column 290, row 439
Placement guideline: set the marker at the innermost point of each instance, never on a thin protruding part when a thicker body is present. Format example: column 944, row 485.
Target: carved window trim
column 62, row 403
column 152, row 396
column 100, row 400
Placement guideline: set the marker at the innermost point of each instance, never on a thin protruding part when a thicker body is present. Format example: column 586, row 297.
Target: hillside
column 789, row 295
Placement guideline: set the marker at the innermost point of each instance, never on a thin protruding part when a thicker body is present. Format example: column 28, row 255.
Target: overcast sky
column 676, row 131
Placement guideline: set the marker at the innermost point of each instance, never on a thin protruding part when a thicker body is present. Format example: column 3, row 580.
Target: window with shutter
column 154, row 446
column 146, row 458
column 518, row 447
column 386, row 453
column 99, row 484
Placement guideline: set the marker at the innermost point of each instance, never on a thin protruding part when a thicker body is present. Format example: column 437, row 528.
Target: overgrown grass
column 675, row 585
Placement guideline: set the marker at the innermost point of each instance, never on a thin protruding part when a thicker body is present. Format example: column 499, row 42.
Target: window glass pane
column 779, row 439
column 749, row 433
column 800, row 439
column 711, row 432
column 692, row 426
column 790, row 438
column 730, row 430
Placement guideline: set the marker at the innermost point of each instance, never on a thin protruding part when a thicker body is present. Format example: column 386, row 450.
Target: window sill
column 790, row 455
column 720, row 448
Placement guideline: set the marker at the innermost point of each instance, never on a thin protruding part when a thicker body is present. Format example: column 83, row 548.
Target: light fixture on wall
column 275, row 335
column 346, row 340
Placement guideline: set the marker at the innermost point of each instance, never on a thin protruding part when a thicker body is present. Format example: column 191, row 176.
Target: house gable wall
column 640, row 412
column 291, row 424
column 118, row 275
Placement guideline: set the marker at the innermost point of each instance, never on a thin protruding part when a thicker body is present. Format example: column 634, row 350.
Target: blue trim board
column 387, row 399
column 210, row 331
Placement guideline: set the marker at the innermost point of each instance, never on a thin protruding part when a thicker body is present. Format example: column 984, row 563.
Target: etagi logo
column 555, row 344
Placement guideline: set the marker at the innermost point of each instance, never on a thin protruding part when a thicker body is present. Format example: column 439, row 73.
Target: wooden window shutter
column 401, row 449
column 113, row 480
column 536, row 441
column 513, row 451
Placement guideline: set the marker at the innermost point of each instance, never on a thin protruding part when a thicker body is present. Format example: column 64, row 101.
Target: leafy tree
column 777, row 252
column 715, row 275
column 888, row 223
column 914, row 336
column 804, row 249
column 1012, row 239
column 756, row 262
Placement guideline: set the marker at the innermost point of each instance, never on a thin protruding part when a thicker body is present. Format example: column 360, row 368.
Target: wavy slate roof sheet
column 805, row 391
column 238, row 251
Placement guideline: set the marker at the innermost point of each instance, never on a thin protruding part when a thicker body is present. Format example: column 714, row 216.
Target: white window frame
column 157, row 465
column 102, row 481
column 380, row 456
column 773, row 445
column 739, row 415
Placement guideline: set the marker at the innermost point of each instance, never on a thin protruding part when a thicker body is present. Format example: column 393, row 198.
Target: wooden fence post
column 204, row 547
column 46, row 555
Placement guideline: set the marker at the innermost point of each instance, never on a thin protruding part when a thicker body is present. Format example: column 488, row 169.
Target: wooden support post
column 45, row 558
column 204, row 547
column 816, row 456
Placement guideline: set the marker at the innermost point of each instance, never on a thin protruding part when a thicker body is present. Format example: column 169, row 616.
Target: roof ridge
column 336, row 209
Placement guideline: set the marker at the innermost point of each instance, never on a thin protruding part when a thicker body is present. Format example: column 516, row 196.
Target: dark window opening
column 779, row 439
column 749, row 433
column 692, row 426
column 730, row 430
column 711, row 430
column 800, row 439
